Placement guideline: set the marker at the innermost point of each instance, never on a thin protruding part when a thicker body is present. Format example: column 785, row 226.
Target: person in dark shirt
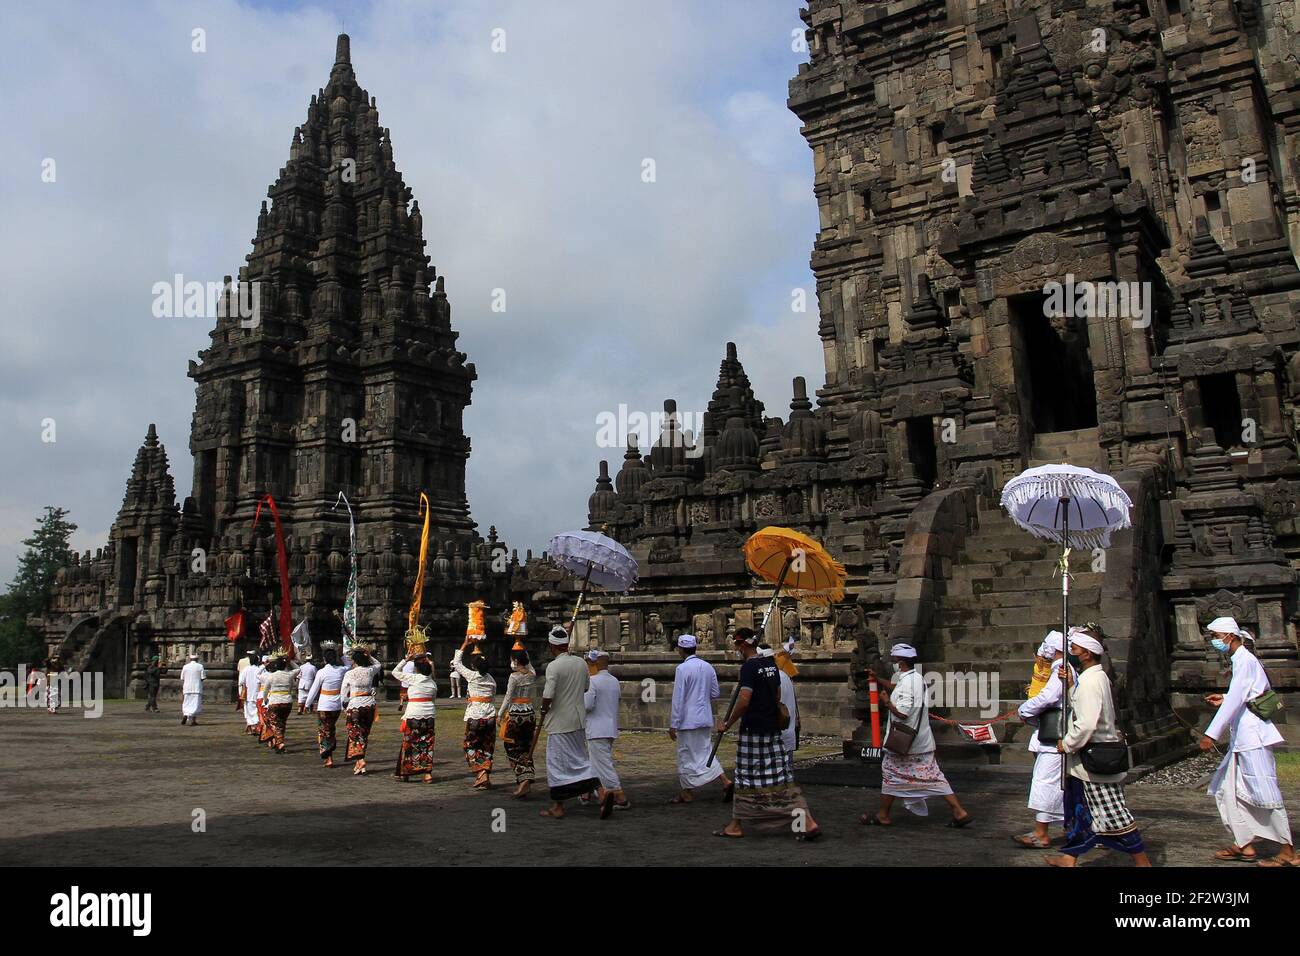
column 152, row 681
column 766, row 794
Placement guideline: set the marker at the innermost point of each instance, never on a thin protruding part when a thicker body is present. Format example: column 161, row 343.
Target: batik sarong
column 1096, row 815
column 360, row 720
column 480, row 742
column 766, row 794
column 416, row 755
column 261, row 719
column 278, row 715
column 517, row 735
column 913, row 778
column 327, row 732
column 266, row 729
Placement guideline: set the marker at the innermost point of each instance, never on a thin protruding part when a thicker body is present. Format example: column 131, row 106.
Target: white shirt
column 358, row 686
column 476, row 685
column 421, row 691
column 518, row 688
column 279, row 689
column 789, row 736
column 1046, row 699
column 909, row 697
column 695, row 687
column 306, row 676
column 601, row 700
column 327, row 686
column 251, row 680
column 1249, row 680
column 192, row 675
column 1092, row 720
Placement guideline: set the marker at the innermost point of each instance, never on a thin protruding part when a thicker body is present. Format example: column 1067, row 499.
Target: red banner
column 235, row 626
column 286, row 609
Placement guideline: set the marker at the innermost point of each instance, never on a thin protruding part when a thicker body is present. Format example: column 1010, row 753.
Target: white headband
column 687, row 641
column 558, row 636
column 902, row 650
column 1224, row 625
column 1083, row 639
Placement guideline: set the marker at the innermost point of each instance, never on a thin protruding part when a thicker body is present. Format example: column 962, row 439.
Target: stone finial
column 343, row 50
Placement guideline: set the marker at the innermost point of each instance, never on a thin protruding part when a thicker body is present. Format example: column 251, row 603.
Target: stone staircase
column 1001, row 599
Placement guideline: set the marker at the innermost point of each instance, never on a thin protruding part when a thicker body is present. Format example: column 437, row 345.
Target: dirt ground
column 125, row 790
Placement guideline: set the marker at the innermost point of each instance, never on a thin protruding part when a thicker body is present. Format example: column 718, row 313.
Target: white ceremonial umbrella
column 1075, row 507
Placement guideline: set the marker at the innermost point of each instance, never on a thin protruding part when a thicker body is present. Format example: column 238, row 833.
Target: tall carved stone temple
column 966, row 155
column 348, row 379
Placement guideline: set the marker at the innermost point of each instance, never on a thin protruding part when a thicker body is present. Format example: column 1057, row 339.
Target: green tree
column 31, row 588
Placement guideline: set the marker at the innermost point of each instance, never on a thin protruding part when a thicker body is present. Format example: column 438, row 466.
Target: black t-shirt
column 759, row 674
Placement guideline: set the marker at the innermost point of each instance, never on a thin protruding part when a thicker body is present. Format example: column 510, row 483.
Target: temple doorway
column 1221, row 408
column 921, row 450
column 1053, row 366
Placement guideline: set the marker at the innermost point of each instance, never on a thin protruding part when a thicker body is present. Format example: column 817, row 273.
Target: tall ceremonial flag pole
column 350, row 602
column 286, row 623
column 417, row 594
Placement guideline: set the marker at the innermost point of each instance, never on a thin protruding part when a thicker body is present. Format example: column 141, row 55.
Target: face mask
column 1219, row 645
column 1074, row 661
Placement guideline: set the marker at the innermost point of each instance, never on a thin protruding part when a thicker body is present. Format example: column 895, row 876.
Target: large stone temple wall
column 966, row 155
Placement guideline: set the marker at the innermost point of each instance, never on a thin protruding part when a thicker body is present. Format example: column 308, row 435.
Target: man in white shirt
column 690, row 723
column 568, row 765
column 601, row 700
column 306, row 677
column 1045, row 793
column 1245, row 786
column 192, row 675
column 249, row 686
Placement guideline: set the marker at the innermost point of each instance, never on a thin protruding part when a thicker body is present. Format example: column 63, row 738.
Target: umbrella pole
column 1065, row 629
column 735, row 694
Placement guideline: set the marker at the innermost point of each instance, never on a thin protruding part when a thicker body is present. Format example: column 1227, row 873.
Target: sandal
column 1274, row 862
column 1238, row 853
column 679, row 799
column 809, row 837
column 1031, row 842
column 729, row 836
column 871, row 820
column 961, row 824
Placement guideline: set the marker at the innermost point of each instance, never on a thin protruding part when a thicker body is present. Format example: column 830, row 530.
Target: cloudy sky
column 528, row 167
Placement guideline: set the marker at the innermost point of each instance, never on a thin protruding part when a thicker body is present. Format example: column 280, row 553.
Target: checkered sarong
column 1110, row 814
column 761, row 761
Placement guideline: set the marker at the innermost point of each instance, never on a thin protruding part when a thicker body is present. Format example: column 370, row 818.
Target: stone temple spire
column 360, row 387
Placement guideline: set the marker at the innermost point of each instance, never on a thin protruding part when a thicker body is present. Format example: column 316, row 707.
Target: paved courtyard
column 125, row 789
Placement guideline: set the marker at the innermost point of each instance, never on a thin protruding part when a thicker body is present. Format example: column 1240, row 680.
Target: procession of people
column 1080, row 755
